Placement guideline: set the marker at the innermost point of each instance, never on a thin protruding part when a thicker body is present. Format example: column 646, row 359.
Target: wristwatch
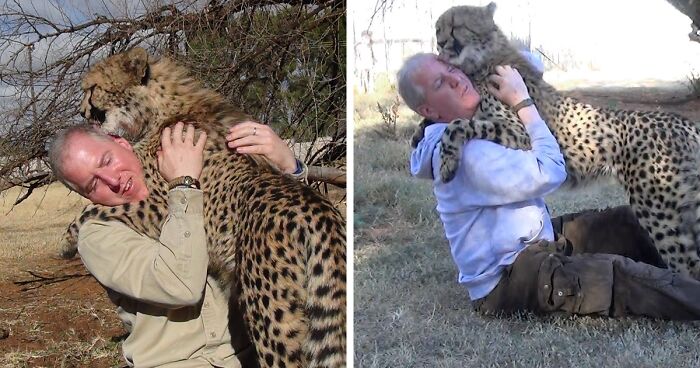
column 524, row 103
column 184, row 181
column 302, row 171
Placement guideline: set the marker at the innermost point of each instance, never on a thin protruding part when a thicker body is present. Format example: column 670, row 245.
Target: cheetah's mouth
column 457, row 46
column 98, row 114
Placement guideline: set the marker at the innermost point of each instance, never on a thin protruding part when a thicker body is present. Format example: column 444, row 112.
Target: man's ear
column 428, row 112
column 122, row 142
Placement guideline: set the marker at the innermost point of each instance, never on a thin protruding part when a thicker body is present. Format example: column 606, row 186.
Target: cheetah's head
column 116, row 94
column 464, row 35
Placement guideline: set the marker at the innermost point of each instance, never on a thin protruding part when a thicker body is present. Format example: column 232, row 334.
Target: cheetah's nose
column 98, row 114
column 457, row 46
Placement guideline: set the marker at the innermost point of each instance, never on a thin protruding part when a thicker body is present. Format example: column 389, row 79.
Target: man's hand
column 252, row 137
column 507, row 85
column 178, row 154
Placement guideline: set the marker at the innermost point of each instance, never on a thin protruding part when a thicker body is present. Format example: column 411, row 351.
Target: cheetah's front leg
column 460, row 131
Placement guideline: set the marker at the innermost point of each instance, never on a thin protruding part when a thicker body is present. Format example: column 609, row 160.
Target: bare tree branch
column 40, row 280
column 282, row 61
column 327, row 175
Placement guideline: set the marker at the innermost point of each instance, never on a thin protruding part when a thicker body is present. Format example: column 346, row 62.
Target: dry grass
column 63, row 324
column 34, row 227
column 411, row 312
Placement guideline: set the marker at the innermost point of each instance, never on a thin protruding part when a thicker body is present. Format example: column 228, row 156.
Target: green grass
column 411, row 312
column 35, row 227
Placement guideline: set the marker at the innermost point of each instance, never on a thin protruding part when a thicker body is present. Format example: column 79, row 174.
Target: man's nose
column 110, row 179
column 453, row 80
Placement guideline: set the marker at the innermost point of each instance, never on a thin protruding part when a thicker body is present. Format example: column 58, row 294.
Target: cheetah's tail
column 326, row 301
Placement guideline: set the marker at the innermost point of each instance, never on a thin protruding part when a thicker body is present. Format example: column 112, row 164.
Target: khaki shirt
column 158, row 286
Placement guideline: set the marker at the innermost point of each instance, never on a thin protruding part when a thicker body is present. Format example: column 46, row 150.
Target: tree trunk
column 691, row 8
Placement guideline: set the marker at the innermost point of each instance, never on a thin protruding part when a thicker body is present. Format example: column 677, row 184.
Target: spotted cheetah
column 274, row 242
column 652, row 154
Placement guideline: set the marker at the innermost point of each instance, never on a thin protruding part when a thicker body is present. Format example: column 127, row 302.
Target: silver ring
column 255, row 130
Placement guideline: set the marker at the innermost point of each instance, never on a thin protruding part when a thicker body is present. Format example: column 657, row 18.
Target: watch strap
column 302, row 171
column 524, row 103
column 184, row 181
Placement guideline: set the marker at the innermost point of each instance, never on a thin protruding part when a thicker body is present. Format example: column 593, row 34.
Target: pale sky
column 621, row 38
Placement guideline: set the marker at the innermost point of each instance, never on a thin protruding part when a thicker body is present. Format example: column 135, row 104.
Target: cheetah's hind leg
column 68, row 246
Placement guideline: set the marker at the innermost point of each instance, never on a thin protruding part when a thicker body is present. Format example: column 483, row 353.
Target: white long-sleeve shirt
column 494, row 207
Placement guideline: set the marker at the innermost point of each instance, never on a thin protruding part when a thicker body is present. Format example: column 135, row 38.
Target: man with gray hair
column 176, row 315
column 435, row 90
column 497, row 223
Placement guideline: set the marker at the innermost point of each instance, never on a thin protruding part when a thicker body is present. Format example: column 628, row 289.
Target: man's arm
column 500, row 175
column 495, row 175
column 252, row 137
column 170, row 271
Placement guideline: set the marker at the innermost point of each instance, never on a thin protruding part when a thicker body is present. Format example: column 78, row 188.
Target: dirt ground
column 57, row 316
column 663, row 98
column 53, row 313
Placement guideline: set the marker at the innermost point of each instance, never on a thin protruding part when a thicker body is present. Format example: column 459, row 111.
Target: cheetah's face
column 115, row 94
column 461, row 34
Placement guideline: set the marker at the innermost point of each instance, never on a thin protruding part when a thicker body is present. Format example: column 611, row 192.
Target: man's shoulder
column 95, row 232
column 103, row 225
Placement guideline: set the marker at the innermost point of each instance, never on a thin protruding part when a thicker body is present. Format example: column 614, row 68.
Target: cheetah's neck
column 181, row 97
column 557, row 110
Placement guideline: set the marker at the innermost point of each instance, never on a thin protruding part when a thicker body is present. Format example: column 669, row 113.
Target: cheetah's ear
column 137, row 64
column 491, row 8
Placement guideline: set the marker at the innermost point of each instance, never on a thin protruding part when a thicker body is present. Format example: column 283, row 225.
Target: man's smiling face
column 448, row 93
column 105, row 171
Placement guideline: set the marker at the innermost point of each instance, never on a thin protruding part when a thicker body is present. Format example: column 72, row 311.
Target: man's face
column 106, row 172
column 449, row 94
